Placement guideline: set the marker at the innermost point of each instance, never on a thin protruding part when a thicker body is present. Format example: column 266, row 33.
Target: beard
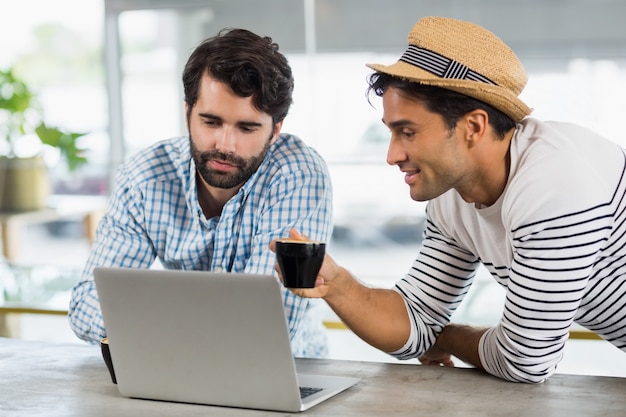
column 245, row 168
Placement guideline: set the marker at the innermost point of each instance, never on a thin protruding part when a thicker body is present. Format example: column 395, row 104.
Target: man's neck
column 490, row 180
column 211, row 199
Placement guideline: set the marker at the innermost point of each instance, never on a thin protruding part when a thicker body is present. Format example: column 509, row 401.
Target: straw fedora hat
column 466, row 58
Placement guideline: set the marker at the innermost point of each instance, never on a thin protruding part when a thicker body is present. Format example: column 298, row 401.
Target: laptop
column 211, row 338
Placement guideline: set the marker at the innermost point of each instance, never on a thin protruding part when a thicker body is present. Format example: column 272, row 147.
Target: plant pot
column 24, row 184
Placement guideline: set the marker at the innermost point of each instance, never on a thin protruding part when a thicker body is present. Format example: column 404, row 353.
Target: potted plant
column 24, row 183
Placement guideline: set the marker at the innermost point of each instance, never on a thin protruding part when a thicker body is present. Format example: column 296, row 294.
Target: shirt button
column 218, row 269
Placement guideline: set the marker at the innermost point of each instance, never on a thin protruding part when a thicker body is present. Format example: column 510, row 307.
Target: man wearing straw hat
column 541, row 205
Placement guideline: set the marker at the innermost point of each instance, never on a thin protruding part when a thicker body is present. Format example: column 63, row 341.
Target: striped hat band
column 440, row 65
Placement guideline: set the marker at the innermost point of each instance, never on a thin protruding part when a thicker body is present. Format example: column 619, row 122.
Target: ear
column 277, row 128
column 476, row 124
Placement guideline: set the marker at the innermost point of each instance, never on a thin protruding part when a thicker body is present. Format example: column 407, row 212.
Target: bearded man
column 213, row 200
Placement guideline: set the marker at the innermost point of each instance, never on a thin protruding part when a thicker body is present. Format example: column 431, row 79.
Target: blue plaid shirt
column 154, row 213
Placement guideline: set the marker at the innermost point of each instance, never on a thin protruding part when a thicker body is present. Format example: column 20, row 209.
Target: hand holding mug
column 301, row 263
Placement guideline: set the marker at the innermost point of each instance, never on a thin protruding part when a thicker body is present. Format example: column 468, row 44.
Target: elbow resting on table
column 506, row 359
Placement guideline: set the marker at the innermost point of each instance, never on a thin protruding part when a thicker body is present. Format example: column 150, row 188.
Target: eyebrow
column 209, row 116
column 398, row 123
column 243, row 123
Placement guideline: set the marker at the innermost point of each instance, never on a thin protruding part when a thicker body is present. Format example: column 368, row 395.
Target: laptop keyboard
column 306, row 391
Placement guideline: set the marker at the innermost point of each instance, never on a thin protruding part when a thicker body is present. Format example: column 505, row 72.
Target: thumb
column 294, row 234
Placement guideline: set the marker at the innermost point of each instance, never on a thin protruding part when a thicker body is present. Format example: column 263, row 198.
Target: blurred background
column 112, row 68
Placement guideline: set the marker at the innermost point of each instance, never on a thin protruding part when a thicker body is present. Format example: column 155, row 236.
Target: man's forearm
column 462, row 342
column 378, row 316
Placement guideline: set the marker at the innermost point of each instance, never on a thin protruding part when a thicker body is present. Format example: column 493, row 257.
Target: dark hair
column 249, row 64
column 447, row 103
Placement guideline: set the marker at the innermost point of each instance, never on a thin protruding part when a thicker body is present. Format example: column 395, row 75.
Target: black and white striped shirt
column 555, row 240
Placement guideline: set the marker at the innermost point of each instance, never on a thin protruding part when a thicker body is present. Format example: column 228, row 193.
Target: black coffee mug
column 299, row 261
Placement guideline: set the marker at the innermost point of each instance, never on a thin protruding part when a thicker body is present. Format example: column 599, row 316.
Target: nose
column 225, row 141
column 395, row 152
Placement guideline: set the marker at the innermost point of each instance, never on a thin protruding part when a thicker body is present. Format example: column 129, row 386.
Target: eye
column 407, row 133
column 211, row 122
column 248, row 128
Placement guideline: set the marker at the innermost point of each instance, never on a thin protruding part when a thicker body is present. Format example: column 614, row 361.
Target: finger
column 305, row 293
column 295, row 234
column 319, row 291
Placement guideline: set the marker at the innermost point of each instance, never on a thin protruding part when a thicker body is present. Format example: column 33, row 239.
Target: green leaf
column 66, row 142
column 16, row 99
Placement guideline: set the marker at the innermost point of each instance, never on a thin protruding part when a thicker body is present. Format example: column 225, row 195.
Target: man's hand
column 436, row 356
column 460, row 341
column 327, row 272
